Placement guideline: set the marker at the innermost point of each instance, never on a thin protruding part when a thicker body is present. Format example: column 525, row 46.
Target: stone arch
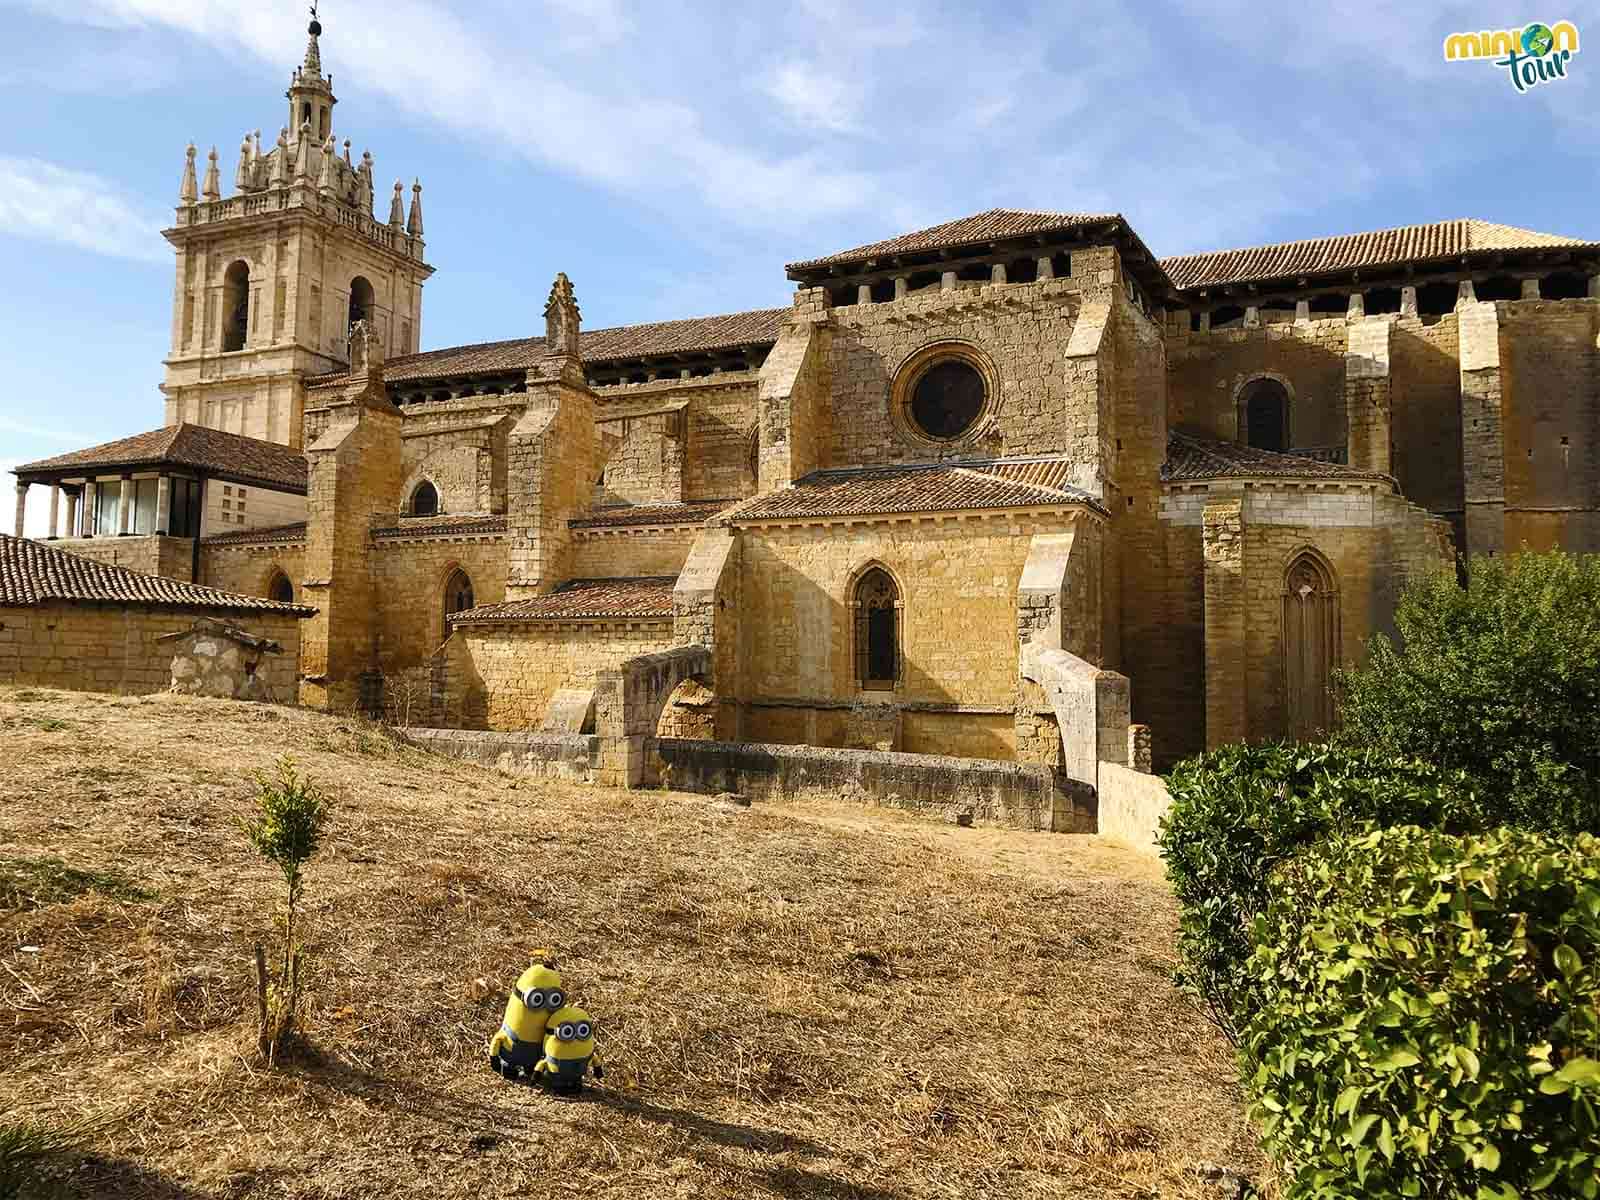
column 628, row 705
column 1264, row 404
column 235, row 305
column 278, row 586
column 1310, row 643
column 689, row 712
column 423, row 499
column 363, row 301
column 875, row 602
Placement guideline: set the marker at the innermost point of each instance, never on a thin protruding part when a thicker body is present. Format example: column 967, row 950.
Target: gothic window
column 1265, row 408
column 235, row 305
column 876, row 606
column 280, row 589
column 425, row 500
column 457, row 596
column 1310, row 645
column 947, row 399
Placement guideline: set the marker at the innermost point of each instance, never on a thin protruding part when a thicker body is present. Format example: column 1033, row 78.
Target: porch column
column 89, row 497
column 997, row 273
column 902, row 283
column 163, row 502
column 22, row 505
column 55, row 510
column 125, row 506
column 1408, row 302
column 1045, row 267
column 72, row 511
column 1530, row 288
column 947, row 281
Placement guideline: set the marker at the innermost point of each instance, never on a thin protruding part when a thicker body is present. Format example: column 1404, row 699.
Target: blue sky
column 671, row 157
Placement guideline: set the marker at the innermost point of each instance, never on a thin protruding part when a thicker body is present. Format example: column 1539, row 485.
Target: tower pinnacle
column 313, row 64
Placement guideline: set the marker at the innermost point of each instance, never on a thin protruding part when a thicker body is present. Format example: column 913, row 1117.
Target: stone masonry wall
column 410, row 577
column 1426, row 428
column 1550, row 367
column 115, row 648
column 170, row 557
column 249, row 569
column 959, row 639
column 1207, row 371
column 630, row 552
column 522, row 666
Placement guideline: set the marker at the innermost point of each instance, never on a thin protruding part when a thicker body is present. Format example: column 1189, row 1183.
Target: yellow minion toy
column 517, row 1047
column 569, row 1050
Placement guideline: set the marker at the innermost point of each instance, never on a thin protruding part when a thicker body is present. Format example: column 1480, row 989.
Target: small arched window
column 236, row 305
column 280, row 589
column 457, row 596
column 425, row 500
column 1310, row 645
column 1265, row 409
column 876, row 605
column 361, row 300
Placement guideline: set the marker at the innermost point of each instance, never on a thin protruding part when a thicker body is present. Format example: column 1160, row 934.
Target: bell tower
column 271, row 279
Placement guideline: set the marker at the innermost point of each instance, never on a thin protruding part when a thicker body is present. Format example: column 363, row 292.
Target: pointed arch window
column 280, row 589
column 457, row 596
column 877, row 616
column 1310, row 645
column 425, row 500
column 236, row 305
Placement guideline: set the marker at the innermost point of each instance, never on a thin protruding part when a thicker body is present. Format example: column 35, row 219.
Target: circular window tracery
column 947, row 399
column 944, row 393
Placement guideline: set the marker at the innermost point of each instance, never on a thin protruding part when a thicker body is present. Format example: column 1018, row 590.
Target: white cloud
column 46, row 202
column 812, row 97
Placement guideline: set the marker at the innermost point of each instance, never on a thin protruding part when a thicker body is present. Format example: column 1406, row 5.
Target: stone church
column 996, row 489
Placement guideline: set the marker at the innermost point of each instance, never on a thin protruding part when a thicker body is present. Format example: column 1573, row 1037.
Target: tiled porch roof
column 1194, row 459
column 210, row 450
column 932, row 487
column 32, row 573
column 648, row 597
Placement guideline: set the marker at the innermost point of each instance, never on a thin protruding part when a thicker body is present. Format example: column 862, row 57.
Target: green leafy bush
column 1240, row 810
column 290, row 821
column 1501, row 679
column 1429, row 1022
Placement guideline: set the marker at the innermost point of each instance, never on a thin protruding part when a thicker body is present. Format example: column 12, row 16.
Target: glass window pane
column 144, row 509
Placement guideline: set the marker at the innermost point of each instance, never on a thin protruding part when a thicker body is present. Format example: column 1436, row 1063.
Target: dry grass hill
column 802, row 1000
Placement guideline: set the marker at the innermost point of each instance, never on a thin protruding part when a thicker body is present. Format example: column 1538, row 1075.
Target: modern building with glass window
column 975, row 487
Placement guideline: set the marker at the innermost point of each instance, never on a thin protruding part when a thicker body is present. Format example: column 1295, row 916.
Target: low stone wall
column 1011, row 795
column 1131, row 806
column 570, row 756
column 119, row 647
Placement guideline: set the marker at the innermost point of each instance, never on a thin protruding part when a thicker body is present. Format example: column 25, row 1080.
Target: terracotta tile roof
column 447, row 524
column 1380, row 248
column 584, row 599
column 272, row 534
column 649, row 514
column 227, row 454
column 937, row 487
column 757, row 327
column 1191, row 459
column 994, row 225
column 33, row 573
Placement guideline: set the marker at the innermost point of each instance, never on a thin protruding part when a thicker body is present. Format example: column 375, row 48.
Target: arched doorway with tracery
column 1310, row 644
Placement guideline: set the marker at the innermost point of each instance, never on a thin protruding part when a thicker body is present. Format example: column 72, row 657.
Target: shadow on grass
column 474, row 1116
column 95, row 1175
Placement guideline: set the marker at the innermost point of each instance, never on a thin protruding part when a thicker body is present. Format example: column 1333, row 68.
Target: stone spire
column 312, row 67
column 397, row 207
column 189, row 189
column 325, row 177
column 280, row 161
column 366, row 180
column 243, row 179
column 213, row 185
column 302, row 153
column 561, row 319
column 414, row 221
column 347, row 161
column 258, row 164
